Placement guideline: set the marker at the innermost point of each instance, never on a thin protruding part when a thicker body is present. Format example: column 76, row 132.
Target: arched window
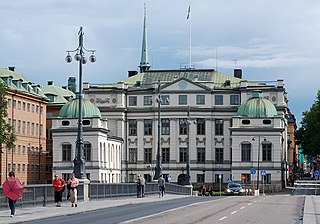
column 87, row 151
column 246, row 152
column 66, row 152
column 267, row 152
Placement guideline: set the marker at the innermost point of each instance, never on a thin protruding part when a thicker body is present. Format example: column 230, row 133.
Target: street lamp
column 79, row 160
column 188, row 122
column 259, row 142
column 158, row 168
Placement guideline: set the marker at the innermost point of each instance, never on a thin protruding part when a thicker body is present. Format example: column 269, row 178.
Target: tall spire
column 144, row 63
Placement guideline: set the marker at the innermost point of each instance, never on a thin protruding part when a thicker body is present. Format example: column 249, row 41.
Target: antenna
column 216, row 59
column 235, row 63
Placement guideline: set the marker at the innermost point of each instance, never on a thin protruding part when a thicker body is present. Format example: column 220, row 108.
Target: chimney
column 50, row 83
column 11, row 68
column 237, row 73
column 132, row 73
column 72, row 84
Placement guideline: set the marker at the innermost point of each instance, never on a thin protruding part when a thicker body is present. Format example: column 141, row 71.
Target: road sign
column 316, row 174
column 229, row 180
column 263, row 173
column 243, row 177
column 253, row 171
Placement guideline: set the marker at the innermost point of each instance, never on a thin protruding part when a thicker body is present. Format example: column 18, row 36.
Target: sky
column 267, row 39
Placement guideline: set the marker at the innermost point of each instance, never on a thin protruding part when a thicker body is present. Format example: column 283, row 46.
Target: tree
column 7, row 136
column 308, row 135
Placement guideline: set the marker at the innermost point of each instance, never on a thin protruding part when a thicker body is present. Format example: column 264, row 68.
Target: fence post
column 86, row 183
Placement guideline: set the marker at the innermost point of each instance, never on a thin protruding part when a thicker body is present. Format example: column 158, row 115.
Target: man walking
column 161, row 185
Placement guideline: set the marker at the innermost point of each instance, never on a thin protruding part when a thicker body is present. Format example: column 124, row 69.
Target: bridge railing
column 42, row 194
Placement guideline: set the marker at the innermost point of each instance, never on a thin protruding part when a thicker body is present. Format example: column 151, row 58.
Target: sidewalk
column 37, row 212
column 309, row 215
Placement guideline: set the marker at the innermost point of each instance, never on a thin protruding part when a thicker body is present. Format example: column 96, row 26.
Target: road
column 239, row 209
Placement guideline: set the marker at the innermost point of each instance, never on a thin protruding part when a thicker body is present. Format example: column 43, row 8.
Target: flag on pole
column 188, row 12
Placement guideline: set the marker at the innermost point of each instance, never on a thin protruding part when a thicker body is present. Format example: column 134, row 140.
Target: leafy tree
column 308, row 135
column 6, row 131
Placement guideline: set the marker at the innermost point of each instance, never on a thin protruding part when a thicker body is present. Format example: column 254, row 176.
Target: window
column 132, row 101
column 165, row 157
column 9, row 102
column 19, row 126
column 245, row 122
column 165, row 126
column 200, row 178
column 247, row 178
column 133, row 155
column 19, row 105
column 14, row 104
column 219, row 155
column 266, row 179
column 245, row 152
column 87, row 151
column 14, row 125
column 147, row 127
column 201, row 126
column 183, row 155
column 201, row 155
column 132, row 127
column 165, row 99
column 218, row 99
column 32, row 128
column 218, row 178
column 24, row 106
column 23, row 127
column 183, row 126
column 200, row 100
column 147, row 100
column 32, row 108
column 37, row 109
column 37, row 129
column 66, row 152
column 234, row 99
column 183, row 100
column 148, row 155
column 28, row 128
column 266, row 152
column 266, row 122
column 219, row 127
column 28, row 107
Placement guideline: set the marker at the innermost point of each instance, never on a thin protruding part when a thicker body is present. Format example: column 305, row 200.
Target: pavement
column 31, row 213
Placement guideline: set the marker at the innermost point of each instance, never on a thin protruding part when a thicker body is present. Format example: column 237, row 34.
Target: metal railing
column 42, row 194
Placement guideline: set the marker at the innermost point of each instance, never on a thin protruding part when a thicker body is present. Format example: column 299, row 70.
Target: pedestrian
column 12, row 202
column 210, row 191
column 138, row 186
column 161, row 185
column 203, row 190
column 58, row 187
column 74, row 183
column 143, row 184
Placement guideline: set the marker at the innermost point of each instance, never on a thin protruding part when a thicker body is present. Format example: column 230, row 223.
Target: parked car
column 234, row 189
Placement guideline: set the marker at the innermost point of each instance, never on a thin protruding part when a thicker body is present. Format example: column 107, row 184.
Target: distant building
column 102, row 151
column 58, row 97
column 221, row 138
column 27, row 114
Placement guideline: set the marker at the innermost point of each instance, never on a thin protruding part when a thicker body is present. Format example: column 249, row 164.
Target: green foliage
column 6, row 133
column 308, row 135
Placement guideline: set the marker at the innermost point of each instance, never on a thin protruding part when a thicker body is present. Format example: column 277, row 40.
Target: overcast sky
column 268, row 39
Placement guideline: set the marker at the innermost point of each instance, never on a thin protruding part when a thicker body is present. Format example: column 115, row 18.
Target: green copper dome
column 71, row 109
column 257, row 106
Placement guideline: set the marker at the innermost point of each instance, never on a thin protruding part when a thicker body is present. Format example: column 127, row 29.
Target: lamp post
column 259, row 142
column 188, row 122
column 158, row 168
column 79, row 160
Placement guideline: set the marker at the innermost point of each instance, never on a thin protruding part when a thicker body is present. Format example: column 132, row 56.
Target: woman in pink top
column 73, row 182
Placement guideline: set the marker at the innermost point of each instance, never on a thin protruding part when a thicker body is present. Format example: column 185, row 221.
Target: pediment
column 184, row 84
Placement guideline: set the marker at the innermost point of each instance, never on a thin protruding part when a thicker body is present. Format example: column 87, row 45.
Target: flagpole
column 190, row 59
